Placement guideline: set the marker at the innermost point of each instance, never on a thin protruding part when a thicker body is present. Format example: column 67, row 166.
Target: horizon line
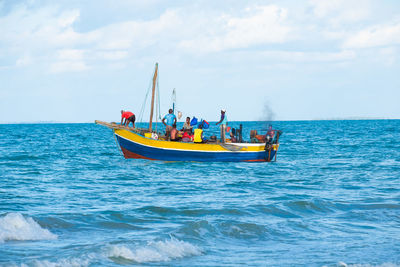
column 317, row 119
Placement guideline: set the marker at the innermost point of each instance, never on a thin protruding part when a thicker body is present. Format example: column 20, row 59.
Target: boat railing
column 268, row 139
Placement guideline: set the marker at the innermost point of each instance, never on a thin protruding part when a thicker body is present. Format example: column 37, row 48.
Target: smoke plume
column 268, row 114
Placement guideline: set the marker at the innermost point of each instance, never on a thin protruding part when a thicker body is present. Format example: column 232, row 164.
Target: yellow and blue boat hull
column 134, row 145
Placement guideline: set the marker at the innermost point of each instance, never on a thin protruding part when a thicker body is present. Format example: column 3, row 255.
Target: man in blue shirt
column 223, row 121
column 171, row 120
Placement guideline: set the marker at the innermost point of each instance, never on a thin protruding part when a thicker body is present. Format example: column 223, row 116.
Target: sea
column 332, row 198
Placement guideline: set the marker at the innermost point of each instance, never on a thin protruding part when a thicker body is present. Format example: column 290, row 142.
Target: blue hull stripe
column 179, row 155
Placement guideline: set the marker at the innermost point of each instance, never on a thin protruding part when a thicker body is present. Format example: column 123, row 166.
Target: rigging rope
column 142, row 109
column 158, row 102
column 157, row 107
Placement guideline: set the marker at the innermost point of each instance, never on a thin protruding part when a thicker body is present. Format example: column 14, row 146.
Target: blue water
column 332, row 198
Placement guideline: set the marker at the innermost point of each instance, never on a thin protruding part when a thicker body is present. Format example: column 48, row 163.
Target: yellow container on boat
column 148, row 135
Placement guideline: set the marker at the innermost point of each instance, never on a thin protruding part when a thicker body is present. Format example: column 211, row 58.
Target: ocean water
column 332, row 198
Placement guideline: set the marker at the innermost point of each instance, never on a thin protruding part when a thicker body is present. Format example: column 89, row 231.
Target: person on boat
column 233, row 137
column 223, row 121
column 171, row 119
column 127, row 117
column 186, row 137
column 174, row 133
column 198, row 134
column 186, row 126
column 269, row 137
column 271, row 131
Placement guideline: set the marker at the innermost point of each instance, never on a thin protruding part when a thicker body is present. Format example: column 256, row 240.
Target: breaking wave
column 158, row 251
column 14, row 226
column 342, row 264
column 73, row 262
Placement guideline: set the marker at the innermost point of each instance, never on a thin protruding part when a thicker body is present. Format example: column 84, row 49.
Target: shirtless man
column 174, row 133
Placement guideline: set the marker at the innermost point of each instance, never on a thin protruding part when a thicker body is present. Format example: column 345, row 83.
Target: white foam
column 82, row 261
column 74, row 262
column 155, row 251
column 342, row 264
column 14, row 226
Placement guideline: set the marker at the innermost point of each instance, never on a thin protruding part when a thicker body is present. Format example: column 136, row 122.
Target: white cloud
column 378, row 35
column 338, row 12
column 311, row 56
column 334, row 35
column 112, row 55
column 260, row 25
column 173, row 29
column 68, row 66
column 389, row 55
column 37, row 28
column 139, row 34
column 68, row 18
column 69, row 60
column 24, row 61
column 51, row 36
column 71, row 54
column 47, row 35
column 277, row 57
column 327, row 42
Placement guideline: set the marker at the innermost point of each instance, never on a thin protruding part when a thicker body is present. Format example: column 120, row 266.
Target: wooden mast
column 152, row 98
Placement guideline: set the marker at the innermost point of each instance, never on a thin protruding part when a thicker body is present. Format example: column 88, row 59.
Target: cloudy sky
column 77, row 61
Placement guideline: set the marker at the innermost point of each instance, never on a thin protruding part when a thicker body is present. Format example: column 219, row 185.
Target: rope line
column 142, row 109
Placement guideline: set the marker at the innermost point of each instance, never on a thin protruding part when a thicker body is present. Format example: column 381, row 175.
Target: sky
column 80, row 61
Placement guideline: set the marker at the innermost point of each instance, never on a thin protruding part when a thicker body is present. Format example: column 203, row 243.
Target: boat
column 147, row 143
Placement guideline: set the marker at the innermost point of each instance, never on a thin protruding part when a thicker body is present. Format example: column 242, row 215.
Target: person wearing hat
column 223, row 121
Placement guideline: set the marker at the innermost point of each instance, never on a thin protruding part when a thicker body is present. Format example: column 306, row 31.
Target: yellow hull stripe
column 184, row 146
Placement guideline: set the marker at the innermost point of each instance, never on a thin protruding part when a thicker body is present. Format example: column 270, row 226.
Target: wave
column 71, row 262
column 14, row 226
column 243, row 230
column 158, row 251
column 198, row 212
column 387, row 264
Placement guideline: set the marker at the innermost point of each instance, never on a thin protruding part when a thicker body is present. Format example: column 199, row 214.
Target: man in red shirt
column 129, row 117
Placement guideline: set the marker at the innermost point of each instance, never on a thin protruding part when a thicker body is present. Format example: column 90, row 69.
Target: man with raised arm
column 224, row 122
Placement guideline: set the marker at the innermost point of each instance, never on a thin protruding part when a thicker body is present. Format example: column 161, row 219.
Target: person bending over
column 127, row 117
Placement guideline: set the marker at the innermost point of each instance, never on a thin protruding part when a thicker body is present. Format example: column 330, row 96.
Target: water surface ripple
column 68, row 198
